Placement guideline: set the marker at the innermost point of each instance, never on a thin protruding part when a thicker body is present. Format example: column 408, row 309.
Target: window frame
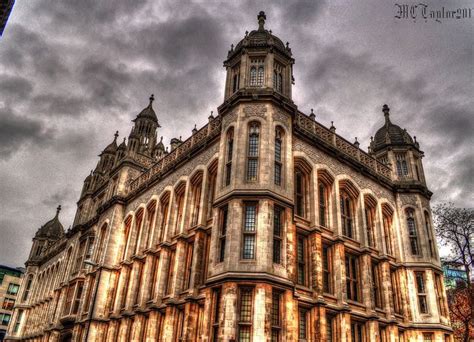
column 353, row 279
column 253, row 151
column 249, row 232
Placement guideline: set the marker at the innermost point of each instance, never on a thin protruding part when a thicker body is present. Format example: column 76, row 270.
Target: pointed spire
column 194, row 130
column 386, row 113
column 261, row 20
column 312, row 116
column 58, row 209
column 332, row 128
column 211, row 117
column 152, row 98
column 116, row 136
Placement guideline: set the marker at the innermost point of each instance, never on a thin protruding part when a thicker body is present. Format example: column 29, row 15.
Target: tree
column 454, row 229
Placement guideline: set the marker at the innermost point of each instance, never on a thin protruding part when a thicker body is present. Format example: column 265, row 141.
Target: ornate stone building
column 263, row 225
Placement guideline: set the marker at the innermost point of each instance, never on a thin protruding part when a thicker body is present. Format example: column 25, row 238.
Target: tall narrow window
column 211, row 188
column 149, row 229
column 346, row 214
column 429, row 234
column 275, row 79
column 250, row 225
column 439, row 295
column 180, row 192
column 260, row 75
column 278, row 159
column 302, row 324
column 357, row 332
column 69, row 299
column 235, row 83
column 196, row 188
column 127, row 228
column 327, row 269
column 138, row 230
column 421, row 292
column 387, row 230
column 245, row 314
column 253, row 76
column 253, row 151
column 412, row 233
column 27, row 287
column 138, row 282
column 164, row 206
column 277, row 233
column 396, row 291
column 170, row 277
column 322, row 194
column 370, row 221
column 352, row 277
column 16, row 328
column 77, row 298
column 216, row 302
column 101, row 245
column 188, row 266
column 223, row 232
column 330, row 329
column 180, row 326
column 376, row 285
column 90, row 249
column 126, row 276
column 80, row 256
column 301, row 260
column 276, row 316
column 300, row 193
column 230, row 148
column 154, row 273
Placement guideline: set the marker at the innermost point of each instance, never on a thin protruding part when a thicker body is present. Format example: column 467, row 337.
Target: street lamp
column 91, row 310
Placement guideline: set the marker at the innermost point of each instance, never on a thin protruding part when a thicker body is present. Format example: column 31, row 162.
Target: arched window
column 138, row 230
column 211, row 188
column 387, row 219
column 278, row 155
column 28, row 287
column 260, row 75
column 325, row 181
column 402, row 167
column 275, row 79
column 196, row 189
column 279, row 87
column 230, row 149
column 179, row 206
column 164, row 208
column 347, row 214
column 127, row 227
column 412, row 233
column 253, row 151
column 429, row 234
column 370, row 205
column 253, row 76
column 149, row 227
column 323, row 207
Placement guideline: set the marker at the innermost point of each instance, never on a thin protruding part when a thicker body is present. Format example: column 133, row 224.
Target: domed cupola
column 390, row 135
column 393, row 146
column 259, row 63
column 143, row 135
column 53, row 229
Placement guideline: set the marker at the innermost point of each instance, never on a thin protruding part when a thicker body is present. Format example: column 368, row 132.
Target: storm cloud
column 74, row 72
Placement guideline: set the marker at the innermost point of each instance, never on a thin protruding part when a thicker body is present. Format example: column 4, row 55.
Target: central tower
column 260, row 63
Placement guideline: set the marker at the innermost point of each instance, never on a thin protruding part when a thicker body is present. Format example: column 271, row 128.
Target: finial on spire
column 152, row 98
column 194, row 130
column 116, row 136
column 246, row 34
column 261, row 20
column 386, row 113
column 211, row 117
column 332, row 128
column 58, row 209
column 356, row 143
column 312, row 116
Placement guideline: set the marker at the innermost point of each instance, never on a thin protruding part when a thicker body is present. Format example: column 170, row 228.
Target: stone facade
column 264, row 225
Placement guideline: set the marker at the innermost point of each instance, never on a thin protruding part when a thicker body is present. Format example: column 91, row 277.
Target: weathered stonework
column 262, row 226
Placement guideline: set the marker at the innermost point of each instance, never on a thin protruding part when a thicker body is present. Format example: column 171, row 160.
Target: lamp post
column 92, row 307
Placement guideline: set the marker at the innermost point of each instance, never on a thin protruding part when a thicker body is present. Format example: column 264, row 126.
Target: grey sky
column 73, row 72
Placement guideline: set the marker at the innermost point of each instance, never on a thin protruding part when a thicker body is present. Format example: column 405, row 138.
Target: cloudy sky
column 73, row 72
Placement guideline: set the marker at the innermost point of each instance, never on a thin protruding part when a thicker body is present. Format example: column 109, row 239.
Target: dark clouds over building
column 72, row 72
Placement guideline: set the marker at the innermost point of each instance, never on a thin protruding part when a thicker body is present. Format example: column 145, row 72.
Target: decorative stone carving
column 259, row 110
